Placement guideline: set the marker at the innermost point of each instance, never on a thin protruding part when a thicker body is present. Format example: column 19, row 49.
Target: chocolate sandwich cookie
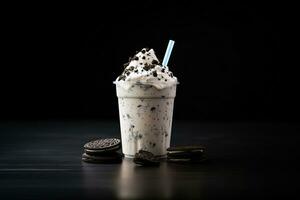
column 102, row 145
column 145, row 158
column 109, row 158
column 190, row 154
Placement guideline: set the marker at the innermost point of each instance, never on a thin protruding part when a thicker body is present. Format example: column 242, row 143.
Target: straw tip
column 168, row 52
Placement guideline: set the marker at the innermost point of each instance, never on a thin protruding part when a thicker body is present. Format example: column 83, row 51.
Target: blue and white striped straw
column 168, row 53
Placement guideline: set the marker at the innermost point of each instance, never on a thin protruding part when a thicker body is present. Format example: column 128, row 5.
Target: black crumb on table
column 139, row 106
column 153, row 108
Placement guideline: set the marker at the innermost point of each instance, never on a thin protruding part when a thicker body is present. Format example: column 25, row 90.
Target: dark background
column 238, row 96
column 231, row 58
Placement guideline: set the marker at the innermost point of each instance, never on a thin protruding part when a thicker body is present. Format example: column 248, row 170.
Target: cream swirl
column 144, row 68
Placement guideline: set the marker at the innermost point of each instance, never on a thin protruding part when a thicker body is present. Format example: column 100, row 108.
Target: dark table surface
column 42, row 160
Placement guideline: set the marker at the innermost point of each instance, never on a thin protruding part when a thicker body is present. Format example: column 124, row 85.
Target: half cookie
column 192, row 153
column 145, row 158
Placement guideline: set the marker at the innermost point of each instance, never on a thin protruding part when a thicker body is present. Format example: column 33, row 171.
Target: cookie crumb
column 154, row 62
column 126, row 64
column 122, row 77
column 154, row 74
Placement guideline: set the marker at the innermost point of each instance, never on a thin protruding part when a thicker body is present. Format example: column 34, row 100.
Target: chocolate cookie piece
column 112, row 158
column 145, row 158
column 103, row 145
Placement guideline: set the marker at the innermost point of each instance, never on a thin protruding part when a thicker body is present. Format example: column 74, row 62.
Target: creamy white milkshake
column 146, row 92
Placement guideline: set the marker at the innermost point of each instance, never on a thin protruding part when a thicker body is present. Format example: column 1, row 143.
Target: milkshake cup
column 146, row 119
column 146, row 92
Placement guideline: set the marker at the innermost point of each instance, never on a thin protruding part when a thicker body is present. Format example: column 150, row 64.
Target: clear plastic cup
column 145, row 118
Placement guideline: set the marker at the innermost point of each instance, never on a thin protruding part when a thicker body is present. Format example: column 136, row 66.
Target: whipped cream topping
column 144, row 68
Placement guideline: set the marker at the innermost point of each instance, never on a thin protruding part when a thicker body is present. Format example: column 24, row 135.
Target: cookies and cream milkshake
column 146, row 91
